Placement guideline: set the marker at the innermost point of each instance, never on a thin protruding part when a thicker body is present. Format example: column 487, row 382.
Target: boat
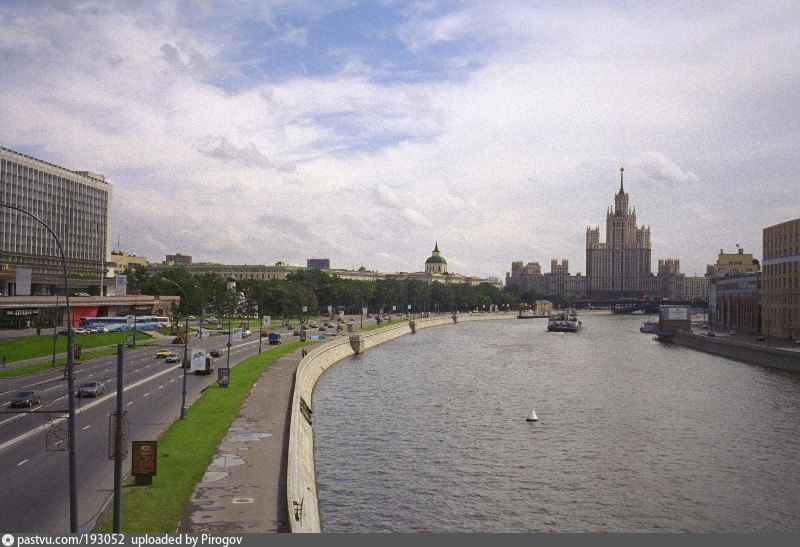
column 564, row 321
column 532, row 417
column 649, row 326
column 531, row 314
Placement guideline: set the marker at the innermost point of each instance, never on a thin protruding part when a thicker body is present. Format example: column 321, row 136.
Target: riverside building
column 76, row 205
column 781, row 280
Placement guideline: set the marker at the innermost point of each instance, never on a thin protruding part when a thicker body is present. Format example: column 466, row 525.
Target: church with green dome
column 436, row 264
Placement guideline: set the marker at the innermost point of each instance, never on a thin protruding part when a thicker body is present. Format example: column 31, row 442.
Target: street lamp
column 73, row 455
column 185, row 346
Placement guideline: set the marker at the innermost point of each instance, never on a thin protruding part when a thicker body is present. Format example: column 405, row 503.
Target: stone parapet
column 741, row 351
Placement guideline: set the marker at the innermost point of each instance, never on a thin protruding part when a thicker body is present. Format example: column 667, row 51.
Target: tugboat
column 564, row 321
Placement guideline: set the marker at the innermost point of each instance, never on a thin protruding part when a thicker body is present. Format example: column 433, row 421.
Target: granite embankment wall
column 755, row 354
column 301, row 482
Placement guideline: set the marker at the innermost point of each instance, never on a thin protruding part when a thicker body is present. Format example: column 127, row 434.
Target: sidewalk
column 244, row 488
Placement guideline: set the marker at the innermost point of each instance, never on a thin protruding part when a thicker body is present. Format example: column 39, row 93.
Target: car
column 732, row 333
column 26, row 398
column 91, row 389
column 760, row 338
column 172, row 358
column 163, row 353
column 215, row 353
column 191, row 318
column 101, row 330
column 80, row 330
column 65, row 331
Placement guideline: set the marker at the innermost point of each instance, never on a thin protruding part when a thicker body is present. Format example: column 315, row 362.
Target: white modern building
column 76, row 205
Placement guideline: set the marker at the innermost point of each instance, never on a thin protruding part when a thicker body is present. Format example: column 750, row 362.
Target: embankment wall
column 301, row 482
column 741, row 351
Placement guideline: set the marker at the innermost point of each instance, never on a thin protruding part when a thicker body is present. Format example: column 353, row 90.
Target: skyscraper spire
column 621, row 187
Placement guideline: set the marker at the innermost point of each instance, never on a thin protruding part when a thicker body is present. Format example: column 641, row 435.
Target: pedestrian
column 4, row 360
column 303, row 353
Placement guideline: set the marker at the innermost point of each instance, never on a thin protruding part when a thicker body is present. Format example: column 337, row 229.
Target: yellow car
column 163, row 353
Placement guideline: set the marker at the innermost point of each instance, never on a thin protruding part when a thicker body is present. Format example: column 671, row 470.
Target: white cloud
column 497, row 131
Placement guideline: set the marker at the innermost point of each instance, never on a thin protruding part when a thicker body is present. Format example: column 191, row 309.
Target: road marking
column 86, row 427
column 129, row 403
column 161, row 386
column 78, row 410
column 146, row 394
column 22, row 462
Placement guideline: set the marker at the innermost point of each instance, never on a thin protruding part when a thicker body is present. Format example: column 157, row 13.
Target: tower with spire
column 620, row 267
column 436, row 263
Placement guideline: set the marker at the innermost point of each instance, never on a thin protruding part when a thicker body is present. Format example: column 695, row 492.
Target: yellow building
column 122, row 261
column 735, row 263
column 780, row 298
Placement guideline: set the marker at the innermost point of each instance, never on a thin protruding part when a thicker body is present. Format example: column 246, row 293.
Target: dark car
column 215, row 353
column 91, row 389
column 26, row 398
column 172, row 358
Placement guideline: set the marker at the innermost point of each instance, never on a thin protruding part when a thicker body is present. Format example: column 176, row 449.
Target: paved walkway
column 244, row 488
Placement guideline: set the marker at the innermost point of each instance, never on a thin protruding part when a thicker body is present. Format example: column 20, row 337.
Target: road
column 34, row 469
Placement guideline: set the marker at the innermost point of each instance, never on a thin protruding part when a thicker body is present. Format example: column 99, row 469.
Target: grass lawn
column 31, row 347
column 185, row 450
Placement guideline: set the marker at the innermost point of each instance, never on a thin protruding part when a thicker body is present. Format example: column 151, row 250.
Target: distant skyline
column 365, row 132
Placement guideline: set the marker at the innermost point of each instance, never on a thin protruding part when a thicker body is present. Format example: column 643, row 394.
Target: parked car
column 66, row 331
column 215, row 352
column 26, row 398
column 91, row 389
column 101, row 330
column 80, row 330
column 172, row 358
column 163, row 353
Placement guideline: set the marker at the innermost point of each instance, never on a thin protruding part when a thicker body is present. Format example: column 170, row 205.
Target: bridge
column 634, row 306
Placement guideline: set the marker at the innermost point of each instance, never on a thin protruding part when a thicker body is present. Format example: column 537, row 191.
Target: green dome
column 436, row 260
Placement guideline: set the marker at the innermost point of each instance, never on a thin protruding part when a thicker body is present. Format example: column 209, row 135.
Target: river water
column 428, row 433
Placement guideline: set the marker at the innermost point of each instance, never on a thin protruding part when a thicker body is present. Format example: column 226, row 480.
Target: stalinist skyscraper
column 620, row 267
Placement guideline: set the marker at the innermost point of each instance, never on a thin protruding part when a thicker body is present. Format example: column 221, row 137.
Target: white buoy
column 532, row 417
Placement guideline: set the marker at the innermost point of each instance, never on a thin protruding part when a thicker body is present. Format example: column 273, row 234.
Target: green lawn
column 185, row 451
column 31, row 347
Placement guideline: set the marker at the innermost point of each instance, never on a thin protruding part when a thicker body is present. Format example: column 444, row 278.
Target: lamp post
column 73, row 455
column 185, row 346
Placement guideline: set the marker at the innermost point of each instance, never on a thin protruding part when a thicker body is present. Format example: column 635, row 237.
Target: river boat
column 531, row 314
column 564, row 321
column 650, row 326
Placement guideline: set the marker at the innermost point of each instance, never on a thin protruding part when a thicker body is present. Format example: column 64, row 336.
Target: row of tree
column 315, row 290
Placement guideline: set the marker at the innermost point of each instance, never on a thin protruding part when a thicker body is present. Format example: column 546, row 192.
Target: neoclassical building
column 436, row 264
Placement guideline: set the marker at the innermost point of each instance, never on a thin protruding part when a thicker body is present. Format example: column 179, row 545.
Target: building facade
column 319, row 263
column 178, row 259
column 122, row 261
column 781, row 280
column 76, row 205
column 620, row 267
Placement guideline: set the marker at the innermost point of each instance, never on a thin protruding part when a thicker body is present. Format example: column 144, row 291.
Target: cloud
column 259, row 133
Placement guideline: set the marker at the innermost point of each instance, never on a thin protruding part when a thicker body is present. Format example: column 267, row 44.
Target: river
column 428, row 433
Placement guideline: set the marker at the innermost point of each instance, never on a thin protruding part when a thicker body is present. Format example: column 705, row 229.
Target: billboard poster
column 144, row 458
column 237, row 335
column 678, row 313
column 122, row 285
column 198, row 361
column 24, row 281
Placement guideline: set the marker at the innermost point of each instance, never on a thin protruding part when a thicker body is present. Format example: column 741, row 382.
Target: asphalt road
column 34, row 469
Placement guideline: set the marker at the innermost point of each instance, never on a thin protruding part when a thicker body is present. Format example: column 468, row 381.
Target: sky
column 367, row 132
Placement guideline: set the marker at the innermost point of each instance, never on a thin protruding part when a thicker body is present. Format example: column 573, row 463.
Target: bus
column 117, row 323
